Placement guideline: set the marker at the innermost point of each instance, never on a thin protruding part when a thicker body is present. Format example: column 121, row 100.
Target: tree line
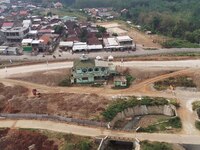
column 174, row 18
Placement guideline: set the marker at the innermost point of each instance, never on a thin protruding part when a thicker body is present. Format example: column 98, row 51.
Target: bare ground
column 82, row 106
column 53, row 78
column 139, row 37
column 21, row 140
column 48, row 77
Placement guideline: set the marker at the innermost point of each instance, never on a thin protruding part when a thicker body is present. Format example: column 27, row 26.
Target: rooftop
column 8, row 24
column 123, row 38
column 120, row 78
column 90, row 63
column 25, row 41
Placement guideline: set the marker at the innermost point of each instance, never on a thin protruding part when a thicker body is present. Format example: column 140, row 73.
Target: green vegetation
column 196, row 105
column 70, row 141
column 197, row 124
column 174, row 102
column 69, row 12
column 195, row 54
column 129, row 79
column 163, row 126
column 59, row 29
column 145, row 145
column 122, row 104
column 182, row 81
column 177, row 43
column 101, row 31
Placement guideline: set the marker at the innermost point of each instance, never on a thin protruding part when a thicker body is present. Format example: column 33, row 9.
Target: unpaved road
column 94, row 132
column 105, row 91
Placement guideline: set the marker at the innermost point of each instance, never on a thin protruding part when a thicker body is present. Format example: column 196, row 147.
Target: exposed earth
column 139, row 37
column 24, row 139
column 79, row 95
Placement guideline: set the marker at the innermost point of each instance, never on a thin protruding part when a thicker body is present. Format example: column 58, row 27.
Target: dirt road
column 93, row 132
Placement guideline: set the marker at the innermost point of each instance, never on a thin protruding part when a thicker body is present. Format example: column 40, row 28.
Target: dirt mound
column 9, row 91
column 82, row 106
column 22, row 140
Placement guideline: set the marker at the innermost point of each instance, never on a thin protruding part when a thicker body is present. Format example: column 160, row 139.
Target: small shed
column 120, row 81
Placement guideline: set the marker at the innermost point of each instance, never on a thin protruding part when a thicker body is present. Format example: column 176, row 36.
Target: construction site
column 36, row 95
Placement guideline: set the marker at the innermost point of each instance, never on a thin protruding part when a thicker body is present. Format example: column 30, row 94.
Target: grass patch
column 197, row 124
column 175, row 103
column 184, row 54
column 28, row 129
column 172, row 123
column 73, row 13
column 176, row 43
column 182, row 81
column 146, row 145
column 122, row 104
column 196, row 105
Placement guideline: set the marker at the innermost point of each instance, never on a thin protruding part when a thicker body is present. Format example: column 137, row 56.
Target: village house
column 86, row 70
column 119, row 43
column 120, row 81
column 15, row 34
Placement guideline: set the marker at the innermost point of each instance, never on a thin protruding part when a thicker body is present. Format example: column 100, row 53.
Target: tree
column 83, row 35
column 59, row 29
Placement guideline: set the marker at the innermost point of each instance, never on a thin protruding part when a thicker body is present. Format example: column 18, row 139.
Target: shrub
column 196, row 105
column 197, row 124
column 175, row 43
column 175, row 122
column 84, row 145
column 182, row 81
column 145, row 145
column 172, row 122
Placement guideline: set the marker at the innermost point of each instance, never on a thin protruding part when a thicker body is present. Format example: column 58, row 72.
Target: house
column 58, row 5
column 86, row 70
column 15, row 34
column 49, row 41
column 119, row 43
column 66, row 45
column 120, row 81
column 5, row 1
column 23, row 13
column 5, row 50
column 27, row 23
column 7, row 25
column 27, row 45
column 79, row 46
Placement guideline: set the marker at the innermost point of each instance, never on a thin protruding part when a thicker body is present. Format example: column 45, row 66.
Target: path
column 94, row 132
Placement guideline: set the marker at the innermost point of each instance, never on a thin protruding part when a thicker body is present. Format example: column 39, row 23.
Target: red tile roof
column 23, row 13
column 7, row 24
column 45, row 38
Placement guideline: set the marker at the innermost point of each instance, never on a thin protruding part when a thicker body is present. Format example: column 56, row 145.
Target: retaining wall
column 168, row 110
